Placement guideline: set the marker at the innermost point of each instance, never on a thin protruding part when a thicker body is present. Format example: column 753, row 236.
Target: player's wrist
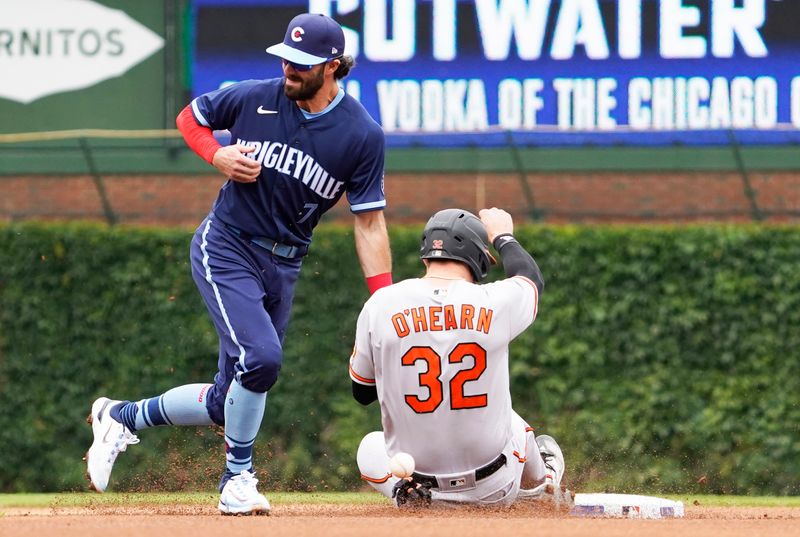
column 378, row 281
column 211, row 152
column 502, row 239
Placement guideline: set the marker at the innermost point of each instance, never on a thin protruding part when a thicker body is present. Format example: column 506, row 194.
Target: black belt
column 281, row 250
column 480, row 473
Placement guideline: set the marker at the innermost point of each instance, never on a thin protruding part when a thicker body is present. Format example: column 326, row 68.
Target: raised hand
column 497, row 222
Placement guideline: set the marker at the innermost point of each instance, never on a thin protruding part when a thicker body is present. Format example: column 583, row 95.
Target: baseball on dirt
column 402, row 465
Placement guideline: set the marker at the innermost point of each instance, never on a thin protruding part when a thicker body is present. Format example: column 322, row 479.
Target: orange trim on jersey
column 527, row 280
column 374, row 480
column 535, row 292
column 359, row 378
column 527, row 430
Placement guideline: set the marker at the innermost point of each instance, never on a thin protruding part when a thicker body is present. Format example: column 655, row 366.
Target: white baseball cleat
column 110, row 439
column 240, row 497
column 553, row 459
column 551, row 490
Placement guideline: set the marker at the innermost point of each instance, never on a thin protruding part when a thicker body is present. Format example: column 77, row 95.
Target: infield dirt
column 330, row 520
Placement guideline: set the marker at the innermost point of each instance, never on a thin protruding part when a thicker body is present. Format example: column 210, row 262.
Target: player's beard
column 308, row 87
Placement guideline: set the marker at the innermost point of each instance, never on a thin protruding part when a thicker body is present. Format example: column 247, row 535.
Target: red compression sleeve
column 198, row 137
column 380, row 280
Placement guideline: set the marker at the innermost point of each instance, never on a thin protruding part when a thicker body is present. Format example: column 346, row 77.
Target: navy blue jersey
column 307, row 164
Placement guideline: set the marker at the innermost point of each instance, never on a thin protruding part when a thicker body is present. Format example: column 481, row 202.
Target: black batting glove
column 408, row 493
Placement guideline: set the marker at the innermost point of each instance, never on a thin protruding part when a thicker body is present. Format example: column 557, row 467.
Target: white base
column 625, row 506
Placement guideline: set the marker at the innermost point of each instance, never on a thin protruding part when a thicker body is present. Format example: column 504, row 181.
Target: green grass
column 87, row 499
column 708, row 500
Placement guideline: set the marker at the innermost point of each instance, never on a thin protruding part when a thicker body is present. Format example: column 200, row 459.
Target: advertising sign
column 543, row 71
column 55, row 56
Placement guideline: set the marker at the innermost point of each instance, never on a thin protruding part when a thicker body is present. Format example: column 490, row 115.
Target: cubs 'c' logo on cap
column 438, row 244
column 297, row 34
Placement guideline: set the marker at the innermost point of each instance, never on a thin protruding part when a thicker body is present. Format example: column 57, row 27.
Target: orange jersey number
column 430, row 377
column 457, row 398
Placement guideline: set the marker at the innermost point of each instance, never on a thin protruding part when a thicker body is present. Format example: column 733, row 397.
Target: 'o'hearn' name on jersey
column 294, row 163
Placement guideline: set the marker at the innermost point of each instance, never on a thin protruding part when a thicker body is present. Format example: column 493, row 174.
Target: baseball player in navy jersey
column 434, row 352
column 299, row 143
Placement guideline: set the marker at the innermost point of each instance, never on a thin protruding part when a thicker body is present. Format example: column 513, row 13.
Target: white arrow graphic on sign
column 53, row 46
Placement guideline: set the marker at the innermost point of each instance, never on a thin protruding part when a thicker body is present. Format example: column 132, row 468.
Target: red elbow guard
column 198, row 137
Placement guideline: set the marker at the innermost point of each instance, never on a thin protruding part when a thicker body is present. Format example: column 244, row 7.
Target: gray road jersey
column 437, row 352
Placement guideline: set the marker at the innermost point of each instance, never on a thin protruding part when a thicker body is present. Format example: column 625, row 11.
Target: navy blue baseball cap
column 311, row 39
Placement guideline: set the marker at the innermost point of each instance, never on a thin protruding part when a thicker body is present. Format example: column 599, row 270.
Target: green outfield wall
column 95, row 154
column 663, row 358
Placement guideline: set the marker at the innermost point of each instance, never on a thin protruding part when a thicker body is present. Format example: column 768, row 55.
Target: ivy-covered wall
column 663, row 358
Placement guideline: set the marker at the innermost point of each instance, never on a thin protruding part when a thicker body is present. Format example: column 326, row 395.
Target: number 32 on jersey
column 431, row 377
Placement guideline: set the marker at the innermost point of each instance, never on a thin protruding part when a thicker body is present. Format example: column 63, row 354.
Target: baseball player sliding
column 300, row 144
column 434, row 352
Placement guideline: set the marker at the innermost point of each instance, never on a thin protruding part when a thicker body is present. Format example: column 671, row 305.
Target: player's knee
column 373, row 463
column 215, row 403
column 371, row 456
column 264, row 365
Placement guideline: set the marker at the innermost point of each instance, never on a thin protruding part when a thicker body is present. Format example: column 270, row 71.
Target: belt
column 276, row 248
column 480, row 473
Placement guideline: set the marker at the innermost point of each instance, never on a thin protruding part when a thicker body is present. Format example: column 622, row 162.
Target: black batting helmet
column 459, row 235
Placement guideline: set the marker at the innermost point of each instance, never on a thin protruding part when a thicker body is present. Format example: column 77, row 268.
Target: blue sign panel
column 456, row 72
